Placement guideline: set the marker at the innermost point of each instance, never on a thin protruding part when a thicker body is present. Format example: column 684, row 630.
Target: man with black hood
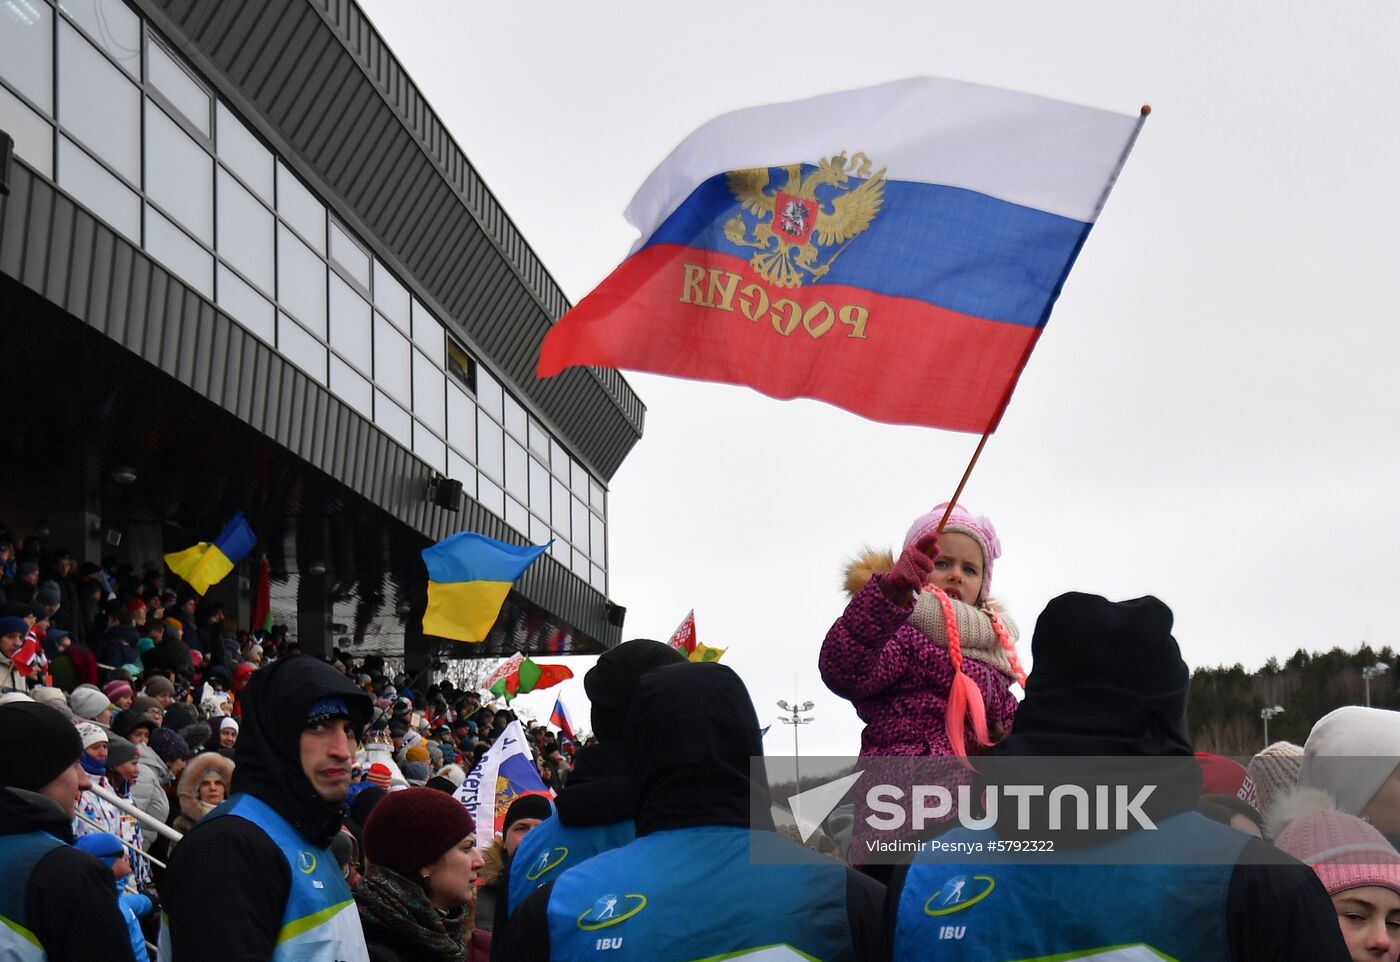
column 1105, row 711
column 281, row 893
column 56, row 902
column 594, row 813
column 707, row 876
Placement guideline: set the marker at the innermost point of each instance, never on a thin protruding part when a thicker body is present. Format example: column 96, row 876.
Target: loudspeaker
column 616, row 614
column 447, row 494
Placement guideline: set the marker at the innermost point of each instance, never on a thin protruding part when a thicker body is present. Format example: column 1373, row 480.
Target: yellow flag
column 706, row 653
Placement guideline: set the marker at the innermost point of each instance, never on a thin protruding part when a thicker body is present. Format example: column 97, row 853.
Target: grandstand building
column 244, row 267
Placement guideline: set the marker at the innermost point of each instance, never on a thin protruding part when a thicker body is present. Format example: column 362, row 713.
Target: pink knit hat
column 1344, row 851
column 979, row 529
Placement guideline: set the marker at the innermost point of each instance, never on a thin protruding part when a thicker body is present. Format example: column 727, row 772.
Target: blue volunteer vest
column 551, row 847
column 1136, row 909
column 695, row 893
column 320, row 922
column 18, row 856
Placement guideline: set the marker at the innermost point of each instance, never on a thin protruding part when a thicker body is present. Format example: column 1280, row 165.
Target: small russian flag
column 559, row 718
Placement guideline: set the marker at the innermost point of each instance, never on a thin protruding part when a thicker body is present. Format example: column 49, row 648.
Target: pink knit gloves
column 910, row 571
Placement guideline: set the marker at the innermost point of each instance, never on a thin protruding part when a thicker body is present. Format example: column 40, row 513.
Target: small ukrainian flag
column 208, row 563
column 469, row 576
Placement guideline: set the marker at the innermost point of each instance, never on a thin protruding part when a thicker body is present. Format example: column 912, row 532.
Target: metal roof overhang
column 322, row 86
column 66, row 256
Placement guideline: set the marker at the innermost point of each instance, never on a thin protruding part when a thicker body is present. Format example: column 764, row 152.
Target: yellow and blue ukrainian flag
column 469, row 576
column 209, row 562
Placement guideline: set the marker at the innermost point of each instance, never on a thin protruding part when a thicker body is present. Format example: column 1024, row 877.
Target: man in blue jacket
column 706, row 877
column 1105, row 708
column 56, row 903
column 282, row 895
column 594, row 811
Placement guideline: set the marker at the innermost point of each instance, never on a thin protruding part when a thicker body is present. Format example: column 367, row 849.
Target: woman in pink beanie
column 921, row 651
column 1359, row 869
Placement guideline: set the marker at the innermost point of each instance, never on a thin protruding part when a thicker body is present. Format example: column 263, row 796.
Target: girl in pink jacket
column 920, row 650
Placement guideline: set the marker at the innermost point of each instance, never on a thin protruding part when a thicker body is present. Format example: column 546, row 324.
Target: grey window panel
column 98, row 104
column 391, row 297
column 460, row 469
column 492, row 498
column 351, row 388
column 349, row 255
column 246, row 233
column 300, row 208
column 178, row 86
column 517, row 424
column 301, row 281
column 517, row 470
column 580, row 564
column 394, row 420
column 597, row 545
column 110, row 25
column 429, row 335
column 597, row 497
column 559, row 514
column 429, row 399
column 581, row 517
column 245, row 155
column 560, row 550
column 26, row 50
column 351, row 326
column 517, row 517
column 539, row 487
column 33, row 134
column 539, row 531
column 558, row 459
column 490, row 451
column 539, row 439
column 98, row 190
column 581, row 479
column 247, row 306
column 598, row 579
column 429, row 447
column 179, row 174
column 177, row 251
column 393, row 364
column 461, row 421
column 488, row 393
column 301, row 348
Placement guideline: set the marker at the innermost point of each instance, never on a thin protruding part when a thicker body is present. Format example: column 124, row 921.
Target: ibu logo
column 611, row 943
column 952, row 931
column 611, row 909
column 958, row 893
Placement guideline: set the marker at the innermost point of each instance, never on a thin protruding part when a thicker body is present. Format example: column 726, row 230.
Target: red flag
column 262, row 598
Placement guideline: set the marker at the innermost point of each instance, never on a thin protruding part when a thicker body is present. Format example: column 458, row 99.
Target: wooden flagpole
column 952, row 502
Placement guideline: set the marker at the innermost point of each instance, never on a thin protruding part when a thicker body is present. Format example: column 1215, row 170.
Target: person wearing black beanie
column 704, row 824
column 1105, row 709
column 60, row 896
column 594, row 811
column 302, row 723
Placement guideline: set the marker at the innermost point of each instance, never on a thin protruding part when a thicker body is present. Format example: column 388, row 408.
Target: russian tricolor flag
column 894, row 250
column 559, row 718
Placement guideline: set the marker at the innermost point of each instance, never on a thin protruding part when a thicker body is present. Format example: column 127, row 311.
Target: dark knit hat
column 120, row 751
column 168, row 744
column 527, row 806
column 37, row 744
column 611, row 682
column 159, row 685
column 144, row 703
column 13, row 625
column 49, row 594
column 413, row 828
column 129, row 721
column 197, row 735
column 1108, row 678
column 178, row 717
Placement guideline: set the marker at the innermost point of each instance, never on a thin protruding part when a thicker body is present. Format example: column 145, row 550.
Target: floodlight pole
column 794, row 717
column 1374, row 671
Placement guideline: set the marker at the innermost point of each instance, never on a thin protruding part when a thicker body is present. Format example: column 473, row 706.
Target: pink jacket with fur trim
column 898, row 678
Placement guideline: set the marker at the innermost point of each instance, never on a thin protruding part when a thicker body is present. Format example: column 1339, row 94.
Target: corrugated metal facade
column 59, row 250
column 318, row 81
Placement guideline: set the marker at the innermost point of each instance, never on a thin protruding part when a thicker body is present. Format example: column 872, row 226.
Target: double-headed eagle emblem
column 803, row 220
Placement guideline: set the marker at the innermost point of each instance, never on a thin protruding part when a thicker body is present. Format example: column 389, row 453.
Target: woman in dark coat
column 415, row 898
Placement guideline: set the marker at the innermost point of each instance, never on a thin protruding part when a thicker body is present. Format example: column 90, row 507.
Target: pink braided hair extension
column 964, row 697
column 1005, row 638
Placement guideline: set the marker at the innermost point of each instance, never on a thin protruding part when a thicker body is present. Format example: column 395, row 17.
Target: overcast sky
column 1210, row 416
